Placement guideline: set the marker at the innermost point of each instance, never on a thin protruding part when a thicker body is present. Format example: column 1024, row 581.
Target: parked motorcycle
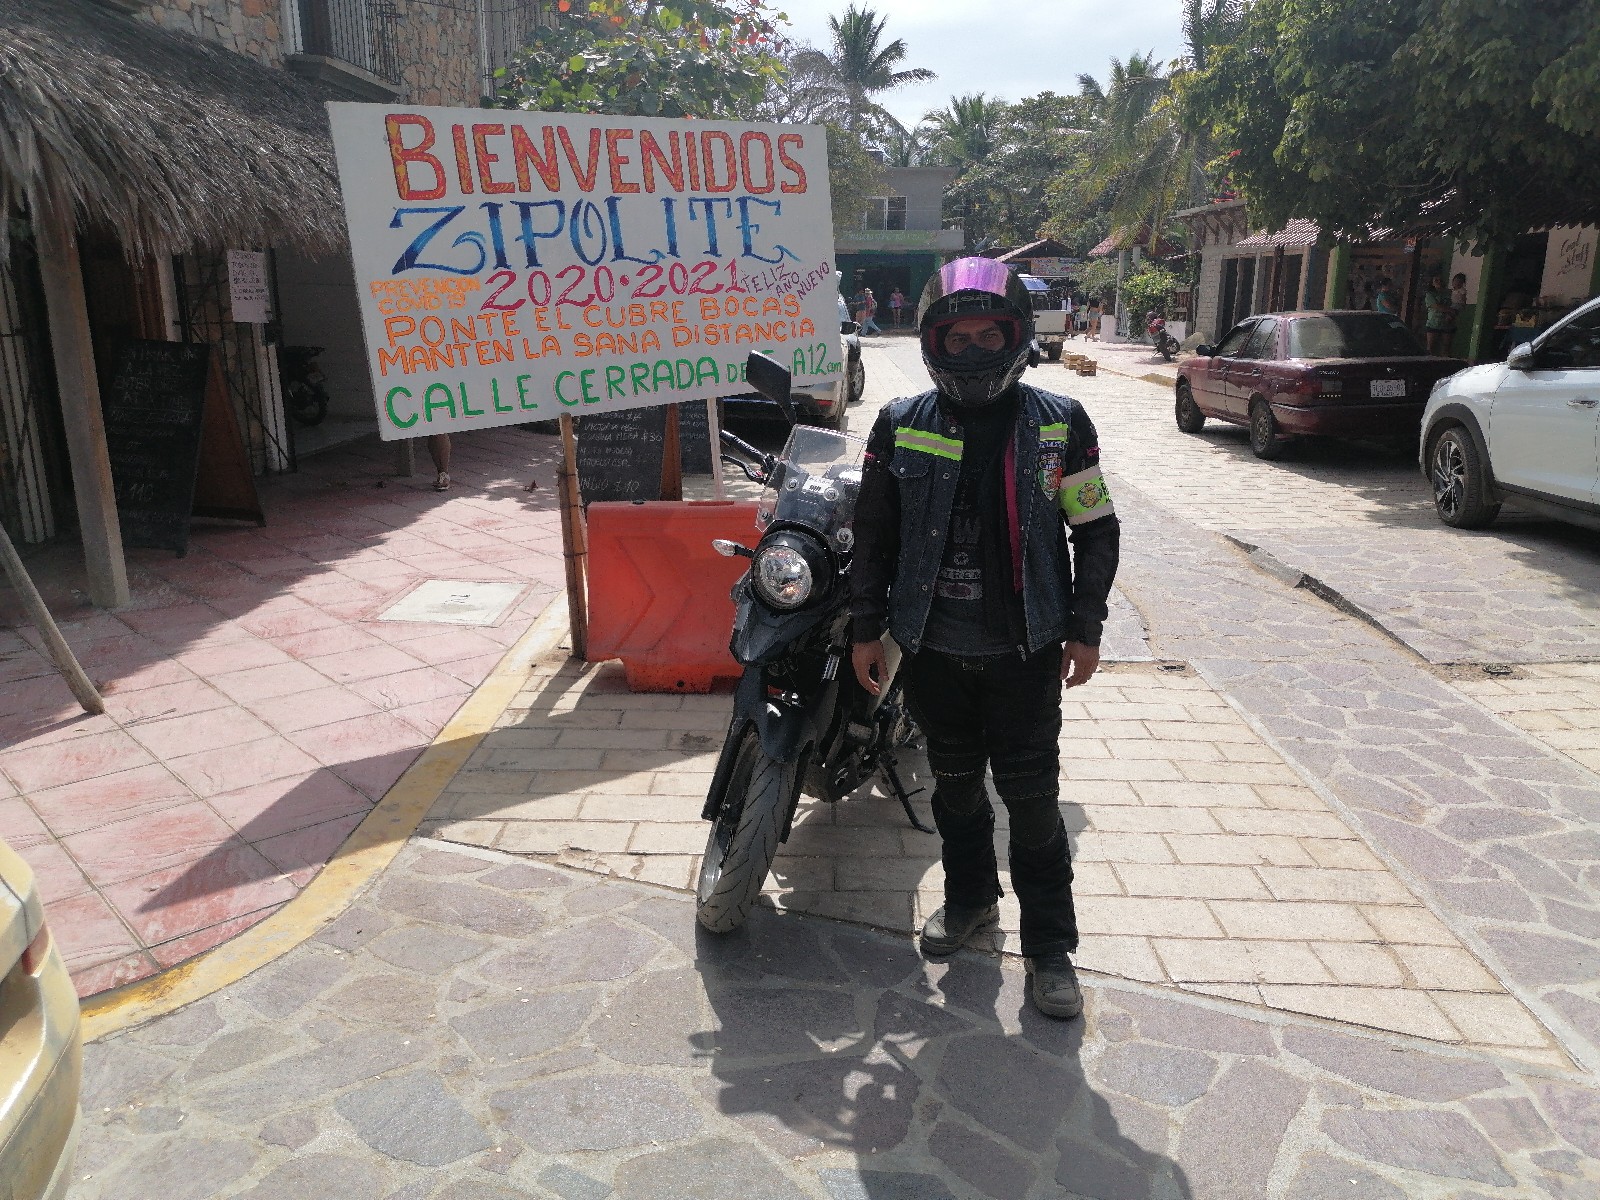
column 1165, row 344
column 801, row 722
column 305, row 387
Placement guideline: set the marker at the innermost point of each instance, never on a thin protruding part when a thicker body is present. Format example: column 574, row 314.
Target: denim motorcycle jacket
column 1054, row 490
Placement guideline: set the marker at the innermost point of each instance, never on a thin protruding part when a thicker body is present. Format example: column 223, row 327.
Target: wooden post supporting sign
column 574, row 542
column 720, row 492
column 671, row 458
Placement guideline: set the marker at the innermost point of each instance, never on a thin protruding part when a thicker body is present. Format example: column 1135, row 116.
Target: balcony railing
column 361, row 33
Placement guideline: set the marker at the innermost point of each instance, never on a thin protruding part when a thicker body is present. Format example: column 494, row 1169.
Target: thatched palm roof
column 169, row 141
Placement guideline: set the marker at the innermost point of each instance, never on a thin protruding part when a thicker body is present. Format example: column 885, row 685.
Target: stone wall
column 439, row 54
column 437, row 46
column 249, row 27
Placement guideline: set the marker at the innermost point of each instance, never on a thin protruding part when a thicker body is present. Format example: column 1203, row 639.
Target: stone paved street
column 1339, row 884
column 479, row 1028
column 1202, row 859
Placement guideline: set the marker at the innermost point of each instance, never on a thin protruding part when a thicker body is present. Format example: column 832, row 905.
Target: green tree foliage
column 1011, row 158
column 966, row 132
column 1152, row 286
column 1478, row 115
column 1097, row 277
column 668, row 58
column 856, row 68
column 905, row 148
column 1149, row 159
column 854, row 177
column 801, row 96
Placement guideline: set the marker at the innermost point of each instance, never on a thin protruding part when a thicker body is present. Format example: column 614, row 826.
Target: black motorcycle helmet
column 975, row 289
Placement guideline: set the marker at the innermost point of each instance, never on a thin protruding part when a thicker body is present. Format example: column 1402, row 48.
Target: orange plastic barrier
column 658, row 592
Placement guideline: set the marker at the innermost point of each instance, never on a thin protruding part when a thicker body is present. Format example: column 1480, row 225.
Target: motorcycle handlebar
column 767, row 461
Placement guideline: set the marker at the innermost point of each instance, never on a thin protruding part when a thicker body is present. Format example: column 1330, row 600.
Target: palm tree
column 859, row 67
column 965, row 132
column 905, row 148
column 1152, row 161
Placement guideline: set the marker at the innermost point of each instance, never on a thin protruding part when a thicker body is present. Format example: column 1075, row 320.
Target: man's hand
column 1078, row 663
column 868, row 657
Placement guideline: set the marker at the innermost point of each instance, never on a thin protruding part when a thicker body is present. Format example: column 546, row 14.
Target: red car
column 1340, row 374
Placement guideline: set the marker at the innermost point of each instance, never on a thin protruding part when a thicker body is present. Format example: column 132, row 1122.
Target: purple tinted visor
column 974, row 274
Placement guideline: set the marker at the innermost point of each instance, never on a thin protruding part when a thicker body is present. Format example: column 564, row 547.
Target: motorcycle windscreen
column 815, row 484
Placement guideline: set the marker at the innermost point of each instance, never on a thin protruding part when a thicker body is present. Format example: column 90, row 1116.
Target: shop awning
column 169, row 141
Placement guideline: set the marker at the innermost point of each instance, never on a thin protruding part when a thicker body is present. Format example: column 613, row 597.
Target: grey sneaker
column 1055, row 989
column 949, row 928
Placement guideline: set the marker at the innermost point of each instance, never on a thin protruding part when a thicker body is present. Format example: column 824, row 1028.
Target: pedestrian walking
column 897, row 303
column 970, row 496
column 869, row 309
column 1093, row 334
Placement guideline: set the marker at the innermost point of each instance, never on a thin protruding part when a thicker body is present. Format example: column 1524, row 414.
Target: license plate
column 1388, row 387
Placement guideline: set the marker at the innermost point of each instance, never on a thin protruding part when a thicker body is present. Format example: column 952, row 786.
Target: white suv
column 1524, row 432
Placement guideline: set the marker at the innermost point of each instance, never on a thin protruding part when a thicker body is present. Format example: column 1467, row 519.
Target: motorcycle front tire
column 744, row 836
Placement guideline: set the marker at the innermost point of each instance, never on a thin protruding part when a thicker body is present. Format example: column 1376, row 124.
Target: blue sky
column 1011, row 49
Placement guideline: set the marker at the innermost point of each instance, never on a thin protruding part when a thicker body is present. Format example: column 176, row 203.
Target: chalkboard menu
column 694, row 438
column 153, row 415
column 619, row 454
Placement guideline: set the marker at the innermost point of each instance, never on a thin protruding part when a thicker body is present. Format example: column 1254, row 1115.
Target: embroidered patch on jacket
column 1085, row 497
column 1050, row 467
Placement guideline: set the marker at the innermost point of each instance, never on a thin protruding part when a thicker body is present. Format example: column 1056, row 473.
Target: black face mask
column 975, row 358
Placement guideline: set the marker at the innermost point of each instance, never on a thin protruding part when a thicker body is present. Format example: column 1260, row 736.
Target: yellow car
column 41, row 1045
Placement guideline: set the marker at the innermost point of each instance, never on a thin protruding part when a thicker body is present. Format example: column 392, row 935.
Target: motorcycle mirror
column 731, row 549
column 772, row 380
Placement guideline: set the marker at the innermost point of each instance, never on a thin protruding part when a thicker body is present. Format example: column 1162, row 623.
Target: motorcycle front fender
column 784, row 728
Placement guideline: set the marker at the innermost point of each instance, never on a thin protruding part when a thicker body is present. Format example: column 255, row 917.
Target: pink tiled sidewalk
column 256, row 707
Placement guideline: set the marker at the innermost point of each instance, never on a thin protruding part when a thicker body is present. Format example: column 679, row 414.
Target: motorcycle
column 305, row 391
column 1165, row 344
column 802, row 723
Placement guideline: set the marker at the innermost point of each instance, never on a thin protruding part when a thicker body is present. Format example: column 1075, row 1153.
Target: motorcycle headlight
column 782, row 576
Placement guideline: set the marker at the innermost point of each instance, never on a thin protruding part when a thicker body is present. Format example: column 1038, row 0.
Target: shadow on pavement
column 828, row 1037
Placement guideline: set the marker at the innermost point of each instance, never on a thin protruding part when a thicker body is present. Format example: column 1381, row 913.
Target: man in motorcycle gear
column 969, row 497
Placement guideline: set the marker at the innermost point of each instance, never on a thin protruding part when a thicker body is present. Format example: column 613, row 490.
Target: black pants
column 1005, row 712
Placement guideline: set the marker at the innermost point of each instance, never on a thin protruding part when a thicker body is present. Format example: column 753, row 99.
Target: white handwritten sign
column 514, row 266
column 248, row 294
column 1569, row 263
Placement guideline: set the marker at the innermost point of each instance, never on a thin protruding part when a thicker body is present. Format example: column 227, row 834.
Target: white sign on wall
column 249, row 297
column 515, row 266
column 1569, row 263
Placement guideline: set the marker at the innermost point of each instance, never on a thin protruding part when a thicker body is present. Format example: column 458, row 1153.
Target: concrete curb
column 363, row 857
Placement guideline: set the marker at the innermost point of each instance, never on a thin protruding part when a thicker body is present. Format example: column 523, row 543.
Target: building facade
column 901, row 238
column 1527, row 286
column 261, row 67
column 1244, row 272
